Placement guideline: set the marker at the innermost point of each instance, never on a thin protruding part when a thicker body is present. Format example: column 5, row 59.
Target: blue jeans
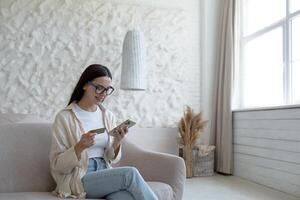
column 122, row 183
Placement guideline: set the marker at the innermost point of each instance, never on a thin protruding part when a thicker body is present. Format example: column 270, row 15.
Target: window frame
column 240, row 43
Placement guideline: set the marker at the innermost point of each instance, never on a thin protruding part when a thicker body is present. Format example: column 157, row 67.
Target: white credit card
column 98, row 130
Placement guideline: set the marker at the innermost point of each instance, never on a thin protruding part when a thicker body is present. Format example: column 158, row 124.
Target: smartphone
column 98, row 130
column 129, row 123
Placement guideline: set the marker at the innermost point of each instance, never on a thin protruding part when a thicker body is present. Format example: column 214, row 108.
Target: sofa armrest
column 155, row 166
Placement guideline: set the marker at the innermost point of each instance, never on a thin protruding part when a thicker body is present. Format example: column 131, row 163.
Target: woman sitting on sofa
column 80, row 159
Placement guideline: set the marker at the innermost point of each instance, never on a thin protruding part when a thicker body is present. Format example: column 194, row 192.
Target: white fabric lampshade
column 133, row 75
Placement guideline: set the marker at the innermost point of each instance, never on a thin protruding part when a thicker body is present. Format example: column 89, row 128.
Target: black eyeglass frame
column 99, row 89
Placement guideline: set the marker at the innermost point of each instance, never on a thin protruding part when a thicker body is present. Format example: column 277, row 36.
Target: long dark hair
column 90, row 73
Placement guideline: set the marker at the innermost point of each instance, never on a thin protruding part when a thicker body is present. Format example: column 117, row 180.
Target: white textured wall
column 46, row 44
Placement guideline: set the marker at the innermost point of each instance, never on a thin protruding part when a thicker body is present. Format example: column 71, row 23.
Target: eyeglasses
column 100, row 89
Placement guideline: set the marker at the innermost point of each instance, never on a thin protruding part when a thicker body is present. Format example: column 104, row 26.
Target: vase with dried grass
column 190, row 128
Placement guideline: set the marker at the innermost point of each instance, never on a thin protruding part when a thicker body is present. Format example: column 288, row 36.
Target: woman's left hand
column 119, row 135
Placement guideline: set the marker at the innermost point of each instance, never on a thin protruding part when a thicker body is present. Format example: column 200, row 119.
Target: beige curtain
column 221, row 119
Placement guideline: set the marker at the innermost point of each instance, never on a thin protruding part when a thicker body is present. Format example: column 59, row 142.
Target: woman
column 80, row 159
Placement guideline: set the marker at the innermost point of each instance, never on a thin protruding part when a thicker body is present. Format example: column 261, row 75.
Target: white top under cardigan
column 90, row 121
column 65, row 167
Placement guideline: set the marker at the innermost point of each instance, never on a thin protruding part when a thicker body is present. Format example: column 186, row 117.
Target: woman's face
column 95, row 89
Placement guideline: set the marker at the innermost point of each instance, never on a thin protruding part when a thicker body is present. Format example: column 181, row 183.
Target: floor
column 219, row 187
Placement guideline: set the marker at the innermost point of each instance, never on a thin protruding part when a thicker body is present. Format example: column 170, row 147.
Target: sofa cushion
column 29, row 196
column 162, row 190
column 24, row 158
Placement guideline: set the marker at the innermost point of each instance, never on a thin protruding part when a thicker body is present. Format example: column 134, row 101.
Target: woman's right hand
column 86, row 140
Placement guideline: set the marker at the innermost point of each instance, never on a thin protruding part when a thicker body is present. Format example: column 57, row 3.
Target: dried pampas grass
column 190, row 127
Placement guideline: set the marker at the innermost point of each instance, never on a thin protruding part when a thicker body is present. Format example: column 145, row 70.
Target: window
column 267, row 71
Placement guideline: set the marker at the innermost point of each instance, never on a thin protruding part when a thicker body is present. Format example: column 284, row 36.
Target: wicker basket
column 203, row 162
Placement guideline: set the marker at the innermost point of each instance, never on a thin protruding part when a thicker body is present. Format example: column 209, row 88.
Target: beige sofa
column 24, row 164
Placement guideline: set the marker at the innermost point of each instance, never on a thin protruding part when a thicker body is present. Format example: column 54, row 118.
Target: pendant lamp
column 133, row 73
